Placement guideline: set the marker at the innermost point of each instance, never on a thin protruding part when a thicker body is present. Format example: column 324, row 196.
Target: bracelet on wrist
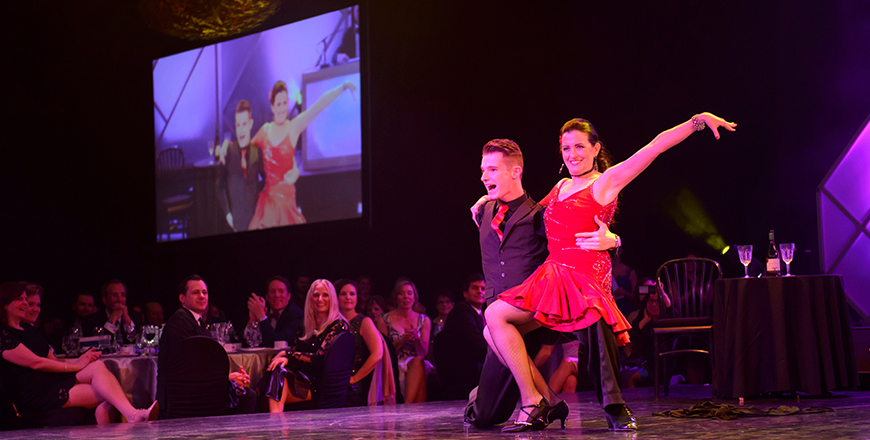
column 698, row 123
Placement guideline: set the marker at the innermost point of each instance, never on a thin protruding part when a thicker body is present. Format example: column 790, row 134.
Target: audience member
column 460, row 349
column 281, row 319
column 625, row 279
column 322, row 323
column 376, row 306
column 299, row 289
column 215, row 314
column 640, row 352
column 187, row 321
column 443, row 305
column 365, row 289
column 153, row 313
column 409, row 332
column 370, row 351
column 114, row 317
column 37, row 381
column 567, row 374
column 82, row 308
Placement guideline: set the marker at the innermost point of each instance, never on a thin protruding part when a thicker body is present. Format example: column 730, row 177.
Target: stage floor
column 443, row 420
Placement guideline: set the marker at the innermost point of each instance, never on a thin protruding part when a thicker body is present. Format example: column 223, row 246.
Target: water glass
column 745, row 254
column 786, row 252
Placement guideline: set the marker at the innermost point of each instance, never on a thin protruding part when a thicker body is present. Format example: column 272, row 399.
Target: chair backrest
column 170, row 159
column 197, row 383
column 338, row 367
column 688, row 283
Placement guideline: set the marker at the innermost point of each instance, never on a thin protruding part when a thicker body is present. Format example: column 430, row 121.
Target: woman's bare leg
column 276, row 406
column 96, row 385
column 505, row 339
column 415, row 381
column 105, row 413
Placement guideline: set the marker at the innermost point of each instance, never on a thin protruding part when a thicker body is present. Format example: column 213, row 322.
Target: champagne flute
column 745, row 254
column 786, row 252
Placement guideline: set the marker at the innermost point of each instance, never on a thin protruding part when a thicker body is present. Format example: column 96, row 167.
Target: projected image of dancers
column 276, row 205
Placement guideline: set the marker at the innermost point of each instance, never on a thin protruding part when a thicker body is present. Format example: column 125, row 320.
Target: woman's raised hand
column 350, row 86
column 714, row 122
column 476, row 208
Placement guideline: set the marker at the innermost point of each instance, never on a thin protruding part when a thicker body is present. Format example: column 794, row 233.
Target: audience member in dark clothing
column 189, row 321
column 304, row 359
column 368, row 342
column 460, row 348
column 36, row 380
column 114, row 316
column 281, row 319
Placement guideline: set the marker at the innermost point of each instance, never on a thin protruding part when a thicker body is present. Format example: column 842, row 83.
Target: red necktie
column 496, row 221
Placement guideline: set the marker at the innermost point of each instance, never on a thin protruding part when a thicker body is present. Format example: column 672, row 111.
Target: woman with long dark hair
column 38, row 381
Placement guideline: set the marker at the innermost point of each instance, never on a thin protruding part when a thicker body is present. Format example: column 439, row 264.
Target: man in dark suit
column 513, row 243
column 460, row 347
column 113, row 317
column 187, row 321
column 282, row 318
column 241, row 177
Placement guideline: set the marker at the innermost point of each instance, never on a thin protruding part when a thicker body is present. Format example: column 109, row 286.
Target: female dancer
column 570, row 290
column 369, row 343
column 276, row 204
column 322, row 323
column 38, row 381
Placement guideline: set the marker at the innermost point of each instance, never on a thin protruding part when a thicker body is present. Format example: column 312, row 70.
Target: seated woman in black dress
column 369, row 343
column 321, row 324
column 38, row 381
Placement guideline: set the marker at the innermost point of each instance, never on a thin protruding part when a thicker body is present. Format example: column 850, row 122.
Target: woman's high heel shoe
column 558, row 411
column 144, row 415
column 536, row 414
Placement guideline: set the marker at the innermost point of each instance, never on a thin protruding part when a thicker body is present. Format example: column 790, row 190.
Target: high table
column 781, row 334
column 138, row 374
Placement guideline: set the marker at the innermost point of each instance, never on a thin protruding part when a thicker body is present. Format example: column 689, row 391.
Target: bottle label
column 773, row 265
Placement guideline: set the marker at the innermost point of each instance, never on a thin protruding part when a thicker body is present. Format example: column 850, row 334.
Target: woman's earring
column 561, row 168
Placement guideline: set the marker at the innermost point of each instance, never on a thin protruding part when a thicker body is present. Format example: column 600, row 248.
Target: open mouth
column 490, row 187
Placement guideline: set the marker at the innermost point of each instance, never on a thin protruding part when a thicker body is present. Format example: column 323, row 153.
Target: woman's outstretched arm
column 301, row 121
column 615, row 178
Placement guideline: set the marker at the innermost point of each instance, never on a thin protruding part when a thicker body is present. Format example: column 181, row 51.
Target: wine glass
column 150, row 338
column 745, row 253
column 786, row 251
column 209, row 144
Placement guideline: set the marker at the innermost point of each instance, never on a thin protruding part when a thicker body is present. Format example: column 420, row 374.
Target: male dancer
column 513, row 244
column 241, row 178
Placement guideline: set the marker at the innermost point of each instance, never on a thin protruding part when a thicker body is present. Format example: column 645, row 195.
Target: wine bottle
column 772, row 258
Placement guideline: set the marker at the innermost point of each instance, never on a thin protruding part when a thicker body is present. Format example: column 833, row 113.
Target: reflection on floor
column 443, row 420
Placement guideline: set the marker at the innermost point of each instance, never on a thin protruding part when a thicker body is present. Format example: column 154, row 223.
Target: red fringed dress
column 571, row 290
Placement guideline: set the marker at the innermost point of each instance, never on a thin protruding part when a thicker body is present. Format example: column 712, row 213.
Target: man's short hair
column 508, row 148
column 244, row 106
column 473, row 278
column 182, row 287
column 105, row 290
column 278, row 278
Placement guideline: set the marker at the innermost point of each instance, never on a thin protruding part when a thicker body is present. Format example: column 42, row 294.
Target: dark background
column 443, row 78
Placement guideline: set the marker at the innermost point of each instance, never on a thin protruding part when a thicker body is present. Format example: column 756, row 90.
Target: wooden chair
column 686, row 295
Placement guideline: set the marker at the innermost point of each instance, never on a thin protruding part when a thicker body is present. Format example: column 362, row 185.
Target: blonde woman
column 322, row 322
